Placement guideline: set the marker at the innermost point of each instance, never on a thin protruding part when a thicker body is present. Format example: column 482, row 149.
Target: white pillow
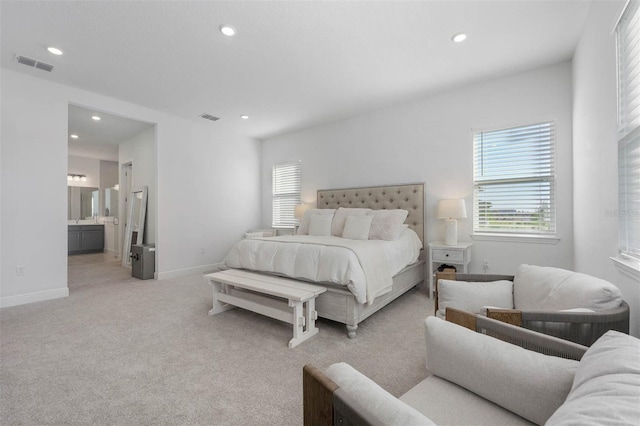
column 320, row 225
column 606, row 387
column 303, row 229
column 340, row 218
column 387, row 224
column 554, row 289
column 473, row 296
column 528, row 383
column 386, row 408
column 357, row 227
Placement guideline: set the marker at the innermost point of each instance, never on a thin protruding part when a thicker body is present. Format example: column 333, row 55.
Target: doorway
column 102, row 148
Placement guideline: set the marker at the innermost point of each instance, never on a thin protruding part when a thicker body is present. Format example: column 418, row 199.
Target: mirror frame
column 129, row 239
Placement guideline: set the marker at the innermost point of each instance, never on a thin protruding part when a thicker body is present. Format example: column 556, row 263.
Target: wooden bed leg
column 351, row 331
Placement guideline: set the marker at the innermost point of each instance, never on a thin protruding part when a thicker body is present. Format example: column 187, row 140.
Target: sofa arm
column 527, row 383
column 510, row 316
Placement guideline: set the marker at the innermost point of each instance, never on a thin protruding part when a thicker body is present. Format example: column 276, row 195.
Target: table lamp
column 298, row 212
column 450, row 210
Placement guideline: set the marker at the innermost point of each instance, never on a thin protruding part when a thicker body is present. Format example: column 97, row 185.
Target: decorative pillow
column 387, row 224
column 606, row 387
column 320, row 225
column 357, row 227
column 528, row 383
column 384, row 407
column 473, row 296
column 340, row 218
column 554, row 289
column 304, row 223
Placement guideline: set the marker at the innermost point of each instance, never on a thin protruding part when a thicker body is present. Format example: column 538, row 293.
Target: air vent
column 209, row 117
column 33, row 63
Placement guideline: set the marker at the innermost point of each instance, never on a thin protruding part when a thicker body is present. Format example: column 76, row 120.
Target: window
column 514, row 181
column 628, row 44
column 286, row 193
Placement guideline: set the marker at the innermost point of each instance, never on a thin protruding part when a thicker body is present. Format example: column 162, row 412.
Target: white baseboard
column 203, row 269
column 39, row 296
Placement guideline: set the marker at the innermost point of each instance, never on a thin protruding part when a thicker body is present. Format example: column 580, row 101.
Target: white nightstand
column 439, row 253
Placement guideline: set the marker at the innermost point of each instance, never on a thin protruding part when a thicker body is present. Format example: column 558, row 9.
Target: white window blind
column 628, row 42
column 514, row 180
column 286, row 193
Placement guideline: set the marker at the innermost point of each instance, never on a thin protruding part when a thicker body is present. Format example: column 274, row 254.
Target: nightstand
column 439, row 253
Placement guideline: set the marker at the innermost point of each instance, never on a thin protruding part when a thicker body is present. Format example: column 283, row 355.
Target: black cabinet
column 86, row 239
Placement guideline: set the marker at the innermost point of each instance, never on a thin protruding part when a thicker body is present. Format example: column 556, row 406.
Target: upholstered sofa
column 558, row 302
column 481, row 380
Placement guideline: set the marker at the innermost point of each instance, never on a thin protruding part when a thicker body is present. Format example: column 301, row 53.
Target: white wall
column 198, row 203
column 595, row 154
column 140, row 151
column 429, row 141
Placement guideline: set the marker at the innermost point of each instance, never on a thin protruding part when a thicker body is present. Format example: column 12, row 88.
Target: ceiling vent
column 34, row 63
column 209, row 117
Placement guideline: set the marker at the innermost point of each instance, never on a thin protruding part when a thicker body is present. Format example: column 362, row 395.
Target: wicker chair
column 580, row 327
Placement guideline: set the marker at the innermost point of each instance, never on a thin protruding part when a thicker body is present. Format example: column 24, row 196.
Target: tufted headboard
column 409, row 197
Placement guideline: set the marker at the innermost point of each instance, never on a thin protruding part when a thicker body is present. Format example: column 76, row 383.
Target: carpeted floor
column 124, row 351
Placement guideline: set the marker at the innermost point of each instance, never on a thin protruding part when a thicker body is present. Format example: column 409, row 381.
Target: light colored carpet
column 122, row 351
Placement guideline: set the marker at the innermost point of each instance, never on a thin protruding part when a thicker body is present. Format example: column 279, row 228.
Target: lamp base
column 451, row 232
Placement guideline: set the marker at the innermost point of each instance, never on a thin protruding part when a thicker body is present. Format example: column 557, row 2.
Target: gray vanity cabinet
column 86, row 239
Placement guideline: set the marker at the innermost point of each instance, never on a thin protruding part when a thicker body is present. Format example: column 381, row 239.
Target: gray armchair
column 577, row 325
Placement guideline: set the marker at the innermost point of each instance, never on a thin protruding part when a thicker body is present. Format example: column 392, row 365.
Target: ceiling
column 100, row 139
column 291, row 64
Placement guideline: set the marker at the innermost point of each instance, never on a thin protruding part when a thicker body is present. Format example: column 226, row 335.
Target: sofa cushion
column 527, row 383
column 472, row 296
column 606, row 387
column 446, row 403
column 380, row 403
column 543, row 288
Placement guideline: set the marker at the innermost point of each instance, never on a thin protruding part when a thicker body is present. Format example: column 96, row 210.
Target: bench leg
column 351, row 331
column 304, row 321
column 218, row 307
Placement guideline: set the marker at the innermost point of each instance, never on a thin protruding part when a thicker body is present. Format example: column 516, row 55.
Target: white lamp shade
column 452, row 209
column 299, row 210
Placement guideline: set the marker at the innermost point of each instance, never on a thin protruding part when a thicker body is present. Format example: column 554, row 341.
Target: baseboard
column 39, row 296
column 203, row 269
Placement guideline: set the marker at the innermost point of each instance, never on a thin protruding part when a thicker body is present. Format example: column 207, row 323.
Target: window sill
column 628, row 266
column 516, row 238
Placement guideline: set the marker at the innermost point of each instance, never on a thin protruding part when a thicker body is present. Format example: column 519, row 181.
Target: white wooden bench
column 279, row 298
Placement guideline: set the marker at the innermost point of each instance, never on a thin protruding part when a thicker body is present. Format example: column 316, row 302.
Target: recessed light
column 54, row 50
column 227, row 30
column 244, row 117
column 459, row 38
column 96, row 118
column 74, row 136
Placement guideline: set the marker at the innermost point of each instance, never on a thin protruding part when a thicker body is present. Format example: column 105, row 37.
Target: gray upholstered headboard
column 409, row 197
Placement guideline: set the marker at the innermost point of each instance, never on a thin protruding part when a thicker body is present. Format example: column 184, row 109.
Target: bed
column 345, row 302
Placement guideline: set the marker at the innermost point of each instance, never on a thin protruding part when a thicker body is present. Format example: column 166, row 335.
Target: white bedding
column 365, row 267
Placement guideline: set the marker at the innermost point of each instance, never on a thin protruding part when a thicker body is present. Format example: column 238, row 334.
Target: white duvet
column 365, row 267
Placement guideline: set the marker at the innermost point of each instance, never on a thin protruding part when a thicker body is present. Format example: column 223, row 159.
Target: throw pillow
column 387, row 224
column 320, row 225
column 606, row 387
column 304, row 223
column 357, row 227
column 528, row 383
column 554, row 289
column 473, row 296
column 340, row 218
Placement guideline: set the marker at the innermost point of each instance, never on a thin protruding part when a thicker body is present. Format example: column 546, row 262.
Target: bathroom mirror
column 110, row 202
column 137, row 206
column 82, row 202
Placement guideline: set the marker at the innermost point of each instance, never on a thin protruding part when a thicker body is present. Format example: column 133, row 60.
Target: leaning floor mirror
column 137, row 206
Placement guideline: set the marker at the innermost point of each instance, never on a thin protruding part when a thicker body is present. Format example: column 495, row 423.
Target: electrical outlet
column 20, row 270
column 485, row 264
column 202, row 250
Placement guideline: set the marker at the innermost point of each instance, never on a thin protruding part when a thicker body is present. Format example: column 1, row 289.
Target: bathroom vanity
column 86, row 238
